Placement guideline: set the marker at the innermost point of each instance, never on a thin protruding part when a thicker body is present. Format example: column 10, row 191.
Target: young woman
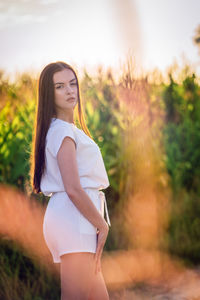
column 68, row 166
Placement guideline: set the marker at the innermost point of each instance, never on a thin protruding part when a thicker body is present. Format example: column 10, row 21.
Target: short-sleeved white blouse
column 90, row 163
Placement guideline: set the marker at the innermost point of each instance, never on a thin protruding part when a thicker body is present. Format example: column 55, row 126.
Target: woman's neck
column 69, row 119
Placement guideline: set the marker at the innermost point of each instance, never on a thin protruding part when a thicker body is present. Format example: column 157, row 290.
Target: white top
column 90, row 163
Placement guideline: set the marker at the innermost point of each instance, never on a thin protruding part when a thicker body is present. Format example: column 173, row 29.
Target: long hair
column 45, row 110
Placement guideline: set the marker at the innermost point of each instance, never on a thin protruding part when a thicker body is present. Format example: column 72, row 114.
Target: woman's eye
column 61, row 86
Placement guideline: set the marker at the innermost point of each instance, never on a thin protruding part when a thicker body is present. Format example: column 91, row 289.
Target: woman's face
column 65, row 88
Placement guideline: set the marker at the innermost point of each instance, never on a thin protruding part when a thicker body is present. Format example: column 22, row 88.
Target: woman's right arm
column 67, row 163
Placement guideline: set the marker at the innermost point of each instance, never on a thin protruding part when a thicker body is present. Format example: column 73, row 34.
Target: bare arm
column 69, row 172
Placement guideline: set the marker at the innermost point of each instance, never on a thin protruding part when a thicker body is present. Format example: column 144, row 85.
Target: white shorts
column 65, row 229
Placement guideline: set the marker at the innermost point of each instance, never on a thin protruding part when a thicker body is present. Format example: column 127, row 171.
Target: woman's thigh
column 77, row 272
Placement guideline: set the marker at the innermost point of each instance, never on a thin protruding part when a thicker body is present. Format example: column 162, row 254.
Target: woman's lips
column 71, row 99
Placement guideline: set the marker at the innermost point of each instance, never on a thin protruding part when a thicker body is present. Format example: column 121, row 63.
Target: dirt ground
column 186, row 286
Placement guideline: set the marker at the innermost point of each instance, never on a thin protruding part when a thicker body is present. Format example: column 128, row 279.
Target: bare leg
column 77, row 272
column 98, row 290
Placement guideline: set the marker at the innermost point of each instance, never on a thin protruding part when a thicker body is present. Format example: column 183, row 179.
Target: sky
column 87, row 33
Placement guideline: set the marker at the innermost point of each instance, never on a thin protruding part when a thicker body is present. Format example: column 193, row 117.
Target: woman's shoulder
column 56, row 133
column 58, row 126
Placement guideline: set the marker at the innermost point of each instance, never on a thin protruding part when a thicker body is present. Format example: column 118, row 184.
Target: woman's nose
column 68, row 89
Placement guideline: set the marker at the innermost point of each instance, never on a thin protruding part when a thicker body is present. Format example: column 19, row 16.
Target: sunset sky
column 92, row 32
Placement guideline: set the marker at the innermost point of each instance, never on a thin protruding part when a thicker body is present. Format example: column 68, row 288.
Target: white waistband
column 102, row 199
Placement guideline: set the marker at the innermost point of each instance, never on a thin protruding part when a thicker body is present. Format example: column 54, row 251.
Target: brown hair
column 45, row 110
